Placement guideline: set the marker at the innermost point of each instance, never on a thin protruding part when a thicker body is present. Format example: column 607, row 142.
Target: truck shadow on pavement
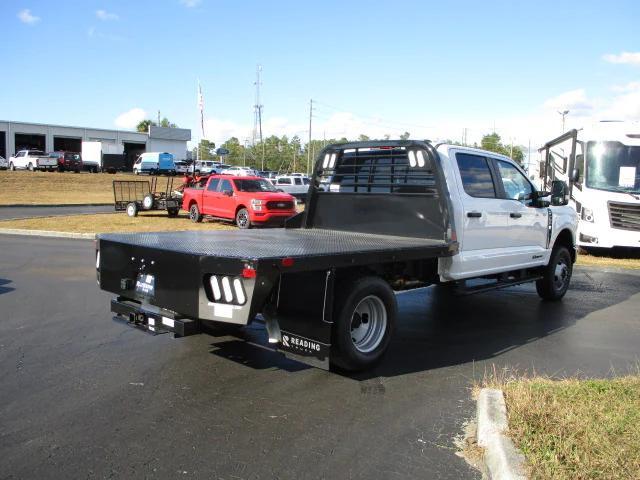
column 438, row 329
column 251, row 348
column 3, row 286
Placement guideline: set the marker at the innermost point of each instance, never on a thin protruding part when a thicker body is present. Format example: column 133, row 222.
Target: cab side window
column 515, row 184
column 225, row 186
column 213, row 184
column 476, row 175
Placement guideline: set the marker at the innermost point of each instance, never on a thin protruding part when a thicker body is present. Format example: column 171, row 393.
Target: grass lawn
column 602, row 261
column 115, row 222
column 576, row 429
column 41, row 188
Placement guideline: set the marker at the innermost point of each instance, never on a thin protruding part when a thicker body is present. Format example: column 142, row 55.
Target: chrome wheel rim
column 368, row 324
column 193, row 213
column 131, row 210
column 243, row 219
column 560, row 275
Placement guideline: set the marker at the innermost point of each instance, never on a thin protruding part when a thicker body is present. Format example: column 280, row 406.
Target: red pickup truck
column 247, row 200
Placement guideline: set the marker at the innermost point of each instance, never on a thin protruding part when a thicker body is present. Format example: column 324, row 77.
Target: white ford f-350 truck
column 397, row 214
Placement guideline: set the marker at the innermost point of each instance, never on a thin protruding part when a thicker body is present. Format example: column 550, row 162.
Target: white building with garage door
column 16, row 136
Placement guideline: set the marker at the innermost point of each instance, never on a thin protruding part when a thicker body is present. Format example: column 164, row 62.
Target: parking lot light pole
column 564, row 114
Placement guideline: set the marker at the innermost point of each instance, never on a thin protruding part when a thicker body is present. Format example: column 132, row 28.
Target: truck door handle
column 515, row 215
column 474, row 214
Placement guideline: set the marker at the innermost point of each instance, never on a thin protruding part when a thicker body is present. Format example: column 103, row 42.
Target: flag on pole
column 201, row 107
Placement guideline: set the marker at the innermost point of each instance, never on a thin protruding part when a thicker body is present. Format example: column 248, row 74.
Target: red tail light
column 248, row 272
column 287, row 262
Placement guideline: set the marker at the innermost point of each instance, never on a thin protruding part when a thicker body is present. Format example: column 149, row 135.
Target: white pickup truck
column 32, row 160
column 398, row 215
column 295, row 185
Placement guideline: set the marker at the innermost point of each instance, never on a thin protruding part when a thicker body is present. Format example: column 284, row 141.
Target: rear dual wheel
column 364, row 321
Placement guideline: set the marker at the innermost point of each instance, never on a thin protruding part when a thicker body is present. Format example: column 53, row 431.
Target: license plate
column 146, row 285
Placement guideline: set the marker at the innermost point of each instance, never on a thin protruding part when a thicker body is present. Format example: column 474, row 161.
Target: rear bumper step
column 153, row 319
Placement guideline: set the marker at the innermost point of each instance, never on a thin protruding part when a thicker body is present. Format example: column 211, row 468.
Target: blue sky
column 432, row 68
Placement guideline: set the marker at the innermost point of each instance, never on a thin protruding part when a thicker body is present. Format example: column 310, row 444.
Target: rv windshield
column 613, row 166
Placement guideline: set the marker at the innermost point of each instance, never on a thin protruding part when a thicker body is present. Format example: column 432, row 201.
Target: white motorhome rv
column 601, row 164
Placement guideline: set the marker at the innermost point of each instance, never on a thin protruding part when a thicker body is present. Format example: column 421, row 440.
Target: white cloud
column 574, row 100
column 630, row 58
column 27, row 17
column 190, row 3
column 106, row 16
column 623, row 107
column 629, row 87
column 130, row 118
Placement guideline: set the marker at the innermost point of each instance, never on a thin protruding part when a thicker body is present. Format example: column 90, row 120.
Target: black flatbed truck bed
column 309, row 248
column 295, row 277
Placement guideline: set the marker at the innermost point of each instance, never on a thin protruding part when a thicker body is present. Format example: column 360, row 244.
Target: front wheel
column 12, row 167
column 242, row 219
column 30, row 167
column 557, row 275
column 194, row 213
column 364, row 321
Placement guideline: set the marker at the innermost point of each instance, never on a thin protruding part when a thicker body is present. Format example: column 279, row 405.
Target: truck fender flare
column 565, row 237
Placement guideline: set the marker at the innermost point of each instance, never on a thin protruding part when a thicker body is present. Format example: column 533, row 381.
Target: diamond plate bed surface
column 271, row 243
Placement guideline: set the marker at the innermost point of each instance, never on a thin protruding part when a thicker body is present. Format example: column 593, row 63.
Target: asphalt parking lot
column 84, row 396
column 13, row 212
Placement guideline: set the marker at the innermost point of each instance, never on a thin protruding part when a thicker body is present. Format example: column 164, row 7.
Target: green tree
column 205, row 150
column 144, row 125
column 165, row 123
column 493, row 143
column 405, row 136
column 363, row 138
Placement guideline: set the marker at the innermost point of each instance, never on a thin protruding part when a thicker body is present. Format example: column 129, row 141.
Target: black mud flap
column 304, row 316
column 153, row 319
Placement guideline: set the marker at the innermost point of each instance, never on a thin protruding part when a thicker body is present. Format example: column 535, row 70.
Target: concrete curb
column 46, row 233
column 31, row 205
column 503, row 461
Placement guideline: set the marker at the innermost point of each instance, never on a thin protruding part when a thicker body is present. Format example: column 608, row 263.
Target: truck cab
column 500, row 216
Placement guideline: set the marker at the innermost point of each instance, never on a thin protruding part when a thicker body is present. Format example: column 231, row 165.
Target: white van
column 155, row 162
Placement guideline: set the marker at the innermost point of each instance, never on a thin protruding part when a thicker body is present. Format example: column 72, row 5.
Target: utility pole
column 564, row 113
column 309, row 146
column 244, row 152
column 158, row 117
column 257, row 110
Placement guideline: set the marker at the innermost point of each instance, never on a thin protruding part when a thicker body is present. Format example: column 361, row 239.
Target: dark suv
column 70, row 161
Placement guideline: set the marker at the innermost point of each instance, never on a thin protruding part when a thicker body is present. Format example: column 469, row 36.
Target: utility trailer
column 381, row 216
column 131, row 196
